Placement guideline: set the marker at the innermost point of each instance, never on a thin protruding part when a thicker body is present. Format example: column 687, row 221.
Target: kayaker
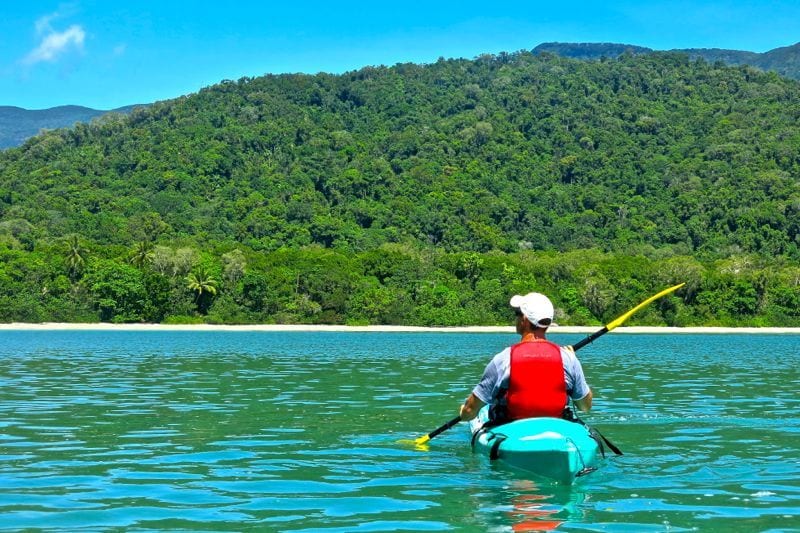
column 532, row 378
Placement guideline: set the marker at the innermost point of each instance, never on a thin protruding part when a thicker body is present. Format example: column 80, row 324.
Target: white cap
column 536, row 307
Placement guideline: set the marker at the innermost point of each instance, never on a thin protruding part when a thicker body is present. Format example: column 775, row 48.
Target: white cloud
column 54, row 43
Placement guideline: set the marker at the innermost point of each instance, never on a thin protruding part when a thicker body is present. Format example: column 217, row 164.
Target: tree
column 76, row 255
column 203, row 284
column 233, row 266
column 142, row 254
column 118, row 290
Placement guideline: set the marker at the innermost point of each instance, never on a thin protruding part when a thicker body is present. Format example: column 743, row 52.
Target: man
column 532, row 378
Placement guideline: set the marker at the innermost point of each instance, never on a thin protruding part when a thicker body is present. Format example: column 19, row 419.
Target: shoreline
column 103, row 326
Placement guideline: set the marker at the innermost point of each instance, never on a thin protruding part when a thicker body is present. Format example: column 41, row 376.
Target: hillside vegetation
column 419, row 194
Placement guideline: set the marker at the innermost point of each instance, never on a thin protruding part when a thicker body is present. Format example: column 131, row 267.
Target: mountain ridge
column 18, row 124
column 784, row 60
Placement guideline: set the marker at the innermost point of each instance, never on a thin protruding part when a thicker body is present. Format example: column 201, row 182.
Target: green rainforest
column 419, row 195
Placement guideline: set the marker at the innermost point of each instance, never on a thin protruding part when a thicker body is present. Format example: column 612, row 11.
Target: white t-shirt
column 498, row 372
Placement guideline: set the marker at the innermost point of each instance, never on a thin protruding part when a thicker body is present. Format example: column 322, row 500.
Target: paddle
column 447, row 425
column 577, row 346
column 622, row 318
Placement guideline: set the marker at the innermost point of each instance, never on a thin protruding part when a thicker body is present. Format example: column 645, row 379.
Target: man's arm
column 585, row 403
column 485, row 387
column 574, row 371
column 471, row 407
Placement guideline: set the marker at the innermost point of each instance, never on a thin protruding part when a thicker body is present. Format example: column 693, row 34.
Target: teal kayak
column 549, row 447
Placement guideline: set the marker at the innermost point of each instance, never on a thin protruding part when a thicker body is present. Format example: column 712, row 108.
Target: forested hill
column 507, row 152
column 653, row 156
column 784, row 60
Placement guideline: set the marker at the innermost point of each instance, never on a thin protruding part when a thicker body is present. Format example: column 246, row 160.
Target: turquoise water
column 252, row 431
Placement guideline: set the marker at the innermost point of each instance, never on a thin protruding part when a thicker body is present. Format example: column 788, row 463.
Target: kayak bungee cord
column 421, row 441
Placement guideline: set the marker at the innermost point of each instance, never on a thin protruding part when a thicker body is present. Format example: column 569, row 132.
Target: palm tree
column 203, row 284
column 142, row 254
column 76, row 255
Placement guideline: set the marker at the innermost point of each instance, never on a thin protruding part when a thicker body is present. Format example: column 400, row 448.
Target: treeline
column 391, row 284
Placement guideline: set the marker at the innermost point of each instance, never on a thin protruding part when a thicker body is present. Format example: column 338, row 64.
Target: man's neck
column 533, row 335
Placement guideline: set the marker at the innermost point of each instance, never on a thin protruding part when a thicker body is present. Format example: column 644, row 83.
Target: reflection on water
column 300, row 432
column 520, row 504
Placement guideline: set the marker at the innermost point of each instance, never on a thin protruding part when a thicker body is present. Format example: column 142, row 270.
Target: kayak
column 549, row 447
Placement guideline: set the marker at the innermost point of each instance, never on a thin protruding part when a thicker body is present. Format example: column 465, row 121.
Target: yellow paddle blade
column 420, row 444
column 618, row 321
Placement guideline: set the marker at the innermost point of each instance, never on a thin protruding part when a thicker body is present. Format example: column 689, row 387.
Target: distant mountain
column 590, row 50
column 785, row 61
column 18, row 124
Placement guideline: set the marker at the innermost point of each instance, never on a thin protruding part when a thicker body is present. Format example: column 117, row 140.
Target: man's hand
column 470, row 408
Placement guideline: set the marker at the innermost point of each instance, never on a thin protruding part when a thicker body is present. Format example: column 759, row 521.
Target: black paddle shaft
column 581, row 343
column 445, row 427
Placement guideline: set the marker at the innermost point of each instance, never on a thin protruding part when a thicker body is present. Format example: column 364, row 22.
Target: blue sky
column 108, row 53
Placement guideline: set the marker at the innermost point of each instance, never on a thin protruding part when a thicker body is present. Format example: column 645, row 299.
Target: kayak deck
column 549, row 447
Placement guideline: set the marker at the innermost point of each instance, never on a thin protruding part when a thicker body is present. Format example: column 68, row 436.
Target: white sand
column 19, row 326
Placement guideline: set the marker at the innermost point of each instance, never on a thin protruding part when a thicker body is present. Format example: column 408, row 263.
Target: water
column 264, row 431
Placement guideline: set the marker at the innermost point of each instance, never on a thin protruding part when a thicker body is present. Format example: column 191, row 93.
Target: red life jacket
column 536, row 386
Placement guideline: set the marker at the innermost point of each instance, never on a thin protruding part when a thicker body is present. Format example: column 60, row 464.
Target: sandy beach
column 53, row 326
